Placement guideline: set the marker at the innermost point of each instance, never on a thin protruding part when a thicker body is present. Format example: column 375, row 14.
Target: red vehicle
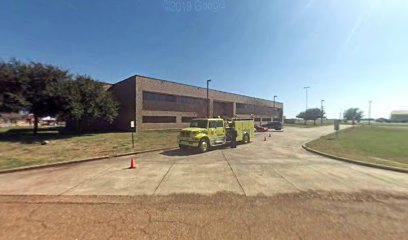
column 261, row 129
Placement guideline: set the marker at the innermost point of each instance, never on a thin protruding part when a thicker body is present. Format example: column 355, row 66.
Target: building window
column 186, row 119
column 165, row 102
column 266, row 119
column 159, row 119
column 253, row 109
column 190, row 100
column 159, row 97
column 257, row 119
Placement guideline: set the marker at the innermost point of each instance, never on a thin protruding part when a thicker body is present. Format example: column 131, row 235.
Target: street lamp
column 369, row 112
column 306, row 88
column 321, row 112
column 274, row 109
column 274, row 97
column 208, row 104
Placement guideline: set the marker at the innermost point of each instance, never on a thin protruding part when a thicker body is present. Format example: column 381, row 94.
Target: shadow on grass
column 26, row 136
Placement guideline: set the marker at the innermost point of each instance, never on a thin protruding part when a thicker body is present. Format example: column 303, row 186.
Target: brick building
column 159, row 104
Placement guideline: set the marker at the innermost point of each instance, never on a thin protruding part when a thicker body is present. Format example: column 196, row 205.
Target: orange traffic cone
column 264, row 138
column 132, row 164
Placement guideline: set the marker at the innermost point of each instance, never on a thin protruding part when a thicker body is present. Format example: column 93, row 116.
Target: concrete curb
column 58, row 164
column 397, row 169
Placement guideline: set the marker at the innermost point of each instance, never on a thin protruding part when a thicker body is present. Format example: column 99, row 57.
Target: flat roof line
column 158, row 79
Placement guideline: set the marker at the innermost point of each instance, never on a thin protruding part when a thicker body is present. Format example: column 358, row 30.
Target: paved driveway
column 278, row 165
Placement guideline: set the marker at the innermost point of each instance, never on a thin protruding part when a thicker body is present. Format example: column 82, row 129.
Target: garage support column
column 234, row 109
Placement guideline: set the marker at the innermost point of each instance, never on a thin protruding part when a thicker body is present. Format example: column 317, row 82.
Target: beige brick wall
column 162, row 86
column 129, row 93
column 124, row 92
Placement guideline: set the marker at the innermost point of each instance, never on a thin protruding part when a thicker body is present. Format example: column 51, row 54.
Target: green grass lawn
column 18, row 147
column 387, row 145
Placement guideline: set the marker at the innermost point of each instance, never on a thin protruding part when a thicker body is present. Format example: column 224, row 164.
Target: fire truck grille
column 185, row 134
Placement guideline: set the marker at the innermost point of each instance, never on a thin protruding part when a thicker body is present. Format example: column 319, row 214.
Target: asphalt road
column 278, row 165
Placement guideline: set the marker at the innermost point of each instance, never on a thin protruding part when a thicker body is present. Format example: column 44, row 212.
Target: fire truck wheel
column 246, row 139
column 203, row 146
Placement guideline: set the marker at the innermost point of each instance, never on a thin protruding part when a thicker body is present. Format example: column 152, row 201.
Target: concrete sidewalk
column 278, row 165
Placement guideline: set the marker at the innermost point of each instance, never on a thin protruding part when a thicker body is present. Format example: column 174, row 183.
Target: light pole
column 274, row 97
column 321, row 112
column 208, row 104
column 274, row 109
column 306, row 88
column 369, row 112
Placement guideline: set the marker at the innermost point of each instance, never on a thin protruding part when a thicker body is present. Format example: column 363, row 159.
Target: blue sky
column 347, row 51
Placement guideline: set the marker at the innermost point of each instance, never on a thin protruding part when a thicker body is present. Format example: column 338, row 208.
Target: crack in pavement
column 235, row 175
column 87, row 179
column 294, row 185
column 164, row 176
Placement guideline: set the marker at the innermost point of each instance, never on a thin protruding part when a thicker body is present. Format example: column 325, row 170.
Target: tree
column 85, row 99
column 353, row 114
column 31, row 87
column 302, row 116
column 48, row 90
column 381, row 120
column 13, row 86
column 313, row 114
column 42, row 95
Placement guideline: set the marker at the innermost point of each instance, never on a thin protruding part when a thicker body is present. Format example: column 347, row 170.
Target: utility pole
column 306, row 88
column 369, row 112
column 208, row 103
column 274, row 97
column 321, row 112
column 274, row 109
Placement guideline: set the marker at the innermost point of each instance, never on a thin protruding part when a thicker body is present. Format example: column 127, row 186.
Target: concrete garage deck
column 279, row 165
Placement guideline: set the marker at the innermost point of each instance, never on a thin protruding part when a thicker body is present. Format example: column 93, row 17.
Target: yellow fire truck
column 205, row 133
